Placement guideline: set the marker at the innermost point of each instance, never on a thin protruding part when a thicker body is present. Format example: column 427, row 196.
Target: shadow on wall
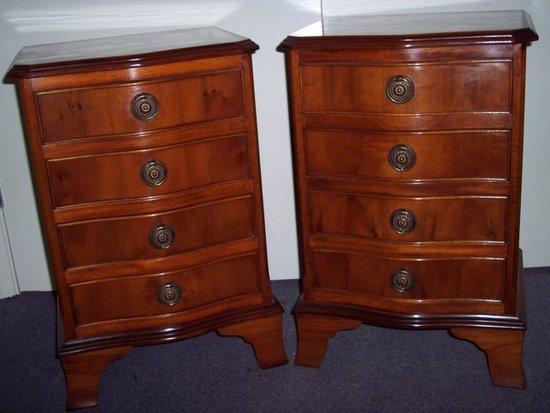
column 135, row 15
column 354, row 7
column 108, row 17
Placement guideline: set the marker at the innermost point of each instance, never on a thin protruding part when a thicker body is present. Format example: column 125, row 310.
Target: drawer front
column 157, row 235
column 149, row 172
column 409, row 219
column 150, row 295
column 384, row 155
column 139, row 107
column 433, row 87
column 427, row 279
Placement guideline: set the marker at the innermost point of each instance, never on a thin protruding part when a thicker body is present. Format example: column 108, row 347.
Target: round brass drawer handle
column 161, row 237
column 144, row 106
column 402, row 280
column 153, row 173
column 400, row 89
column 402, row 157
column 169, row 294
column 403, row 221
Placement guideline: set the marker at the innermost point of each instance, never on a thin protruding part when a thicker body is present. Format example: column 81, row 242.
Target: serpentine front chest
column 407, row 140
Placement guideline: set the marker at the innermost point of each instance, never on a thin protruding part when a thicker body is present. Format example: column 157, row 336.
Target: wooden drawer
column 438, row 87
column 107, row 110
column 408, row 155
column 129, row 238
column 414, row 279
column 453, row 218
column 149, row 172
column 139, row 296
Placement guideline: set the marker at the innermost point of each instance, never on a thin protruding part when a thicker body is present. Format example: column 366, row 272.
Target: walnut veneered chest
column 407, row 140
column 145, row 159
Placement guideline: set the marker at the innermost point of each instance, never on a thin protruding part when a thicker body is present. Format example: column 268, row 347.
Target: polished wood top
column 495, row 26
column 130, row 50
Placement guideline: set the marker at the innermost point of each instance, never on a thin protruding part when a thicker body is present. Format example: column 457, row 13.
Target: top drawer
column 137, row 107
column 407, row 88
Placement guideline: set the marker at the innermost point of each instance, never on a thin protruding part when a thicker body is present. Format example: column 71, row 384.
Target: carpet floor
column 368, row 369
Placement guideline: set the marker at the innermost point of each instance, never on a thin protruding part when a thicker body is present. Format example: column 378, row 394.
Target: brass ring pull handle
column 161, row 237
column 400, row 89
column 402, row 157
column 153, row 173
column 403, row 221
column 144, row 106
column 169, row 294
column 402, row 280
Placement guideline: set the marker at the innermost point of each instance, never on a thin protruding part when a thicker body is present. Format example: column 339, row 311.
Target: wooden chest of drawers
column 145, row 158
column 407, row 140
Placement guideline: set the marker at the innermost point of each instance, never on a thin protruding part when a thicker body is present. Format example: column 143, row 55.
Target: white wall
column 25, row 22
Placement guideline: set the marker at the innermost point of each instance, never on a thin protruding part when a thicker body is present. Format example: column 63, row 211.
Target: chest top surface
column 494, row 26
column 129, row 50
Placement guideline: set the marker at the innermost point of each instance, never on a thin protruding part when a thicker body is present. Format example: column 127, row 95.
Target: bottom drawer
column 151, row 295
column 410, row 279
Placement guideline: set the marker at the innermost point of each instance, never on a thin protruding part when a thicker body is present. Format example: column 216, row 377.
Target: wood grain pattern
column 168, row 263
column 77, row 113
column 465, row 124
column 115, row 176
column 122, row 239
column 121, row 46
column 434, row 279
column 439, row 87
column 405, row 188
column 145, row 140
column 407, row 249
column 437, row 219
column 87, row 149
column 129, row 51
column 136, row 296
column 152, row 203
column 439, row 155
column 401, row 122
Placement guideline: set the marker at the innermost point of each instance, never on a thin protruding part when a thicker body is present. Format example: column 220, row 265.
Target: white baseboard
column 8, row 277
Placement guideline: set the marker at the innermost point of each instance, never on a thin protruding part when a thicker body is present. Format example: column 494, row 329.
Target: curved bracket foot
column 265, row 334
column 314, row 331
column 82, row 372
column 503, row 348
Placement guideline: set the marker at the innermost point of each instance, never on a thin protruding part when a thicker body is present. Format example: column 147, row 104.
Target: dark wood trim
column 164, row 334
column 423, row 321
column 130, row 61
column 525, row 35
column 406, row 321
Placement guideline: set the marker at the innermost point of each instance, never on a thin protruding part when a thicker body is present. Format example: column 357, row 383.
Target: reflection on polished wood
column 91, row 112
column 145, row 158
column 127, row 51
column 407, row 142
column 504, row 25
column 79, row 180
